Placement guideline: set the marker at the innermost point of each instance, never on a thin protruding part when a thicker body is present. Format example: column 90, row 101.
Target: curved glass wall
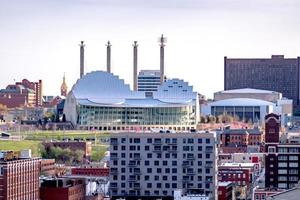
column 95, row 116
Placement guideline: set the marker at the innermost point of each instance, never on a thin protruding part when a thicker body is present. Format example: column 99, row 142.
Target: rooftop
column 241, row 102
column 249, row 90
column 105, row 89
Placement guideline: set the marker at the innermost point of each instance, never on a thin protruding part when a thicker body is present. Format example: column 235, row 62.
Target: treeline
column 65, row 156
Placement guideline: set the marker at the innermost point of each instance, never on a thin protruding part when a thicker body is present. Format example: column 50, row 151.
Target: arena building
column 102, row 101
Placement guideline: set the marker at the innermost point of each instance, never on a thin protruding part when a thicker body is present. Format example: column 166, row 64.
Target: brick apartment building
column 241, row 174
column 19, row 176
column 20, row 94
column 276, row 74
column 62, row 189
column 240, row 140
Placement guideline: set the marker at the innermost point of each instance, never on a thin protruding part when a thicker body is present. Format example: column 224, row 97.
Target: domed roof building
column 102, row 101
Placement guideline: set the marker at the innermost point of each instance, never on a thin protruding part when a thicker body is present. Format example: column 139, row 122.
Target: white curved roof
column 175, row 90
column 241, row 102
column 105, row 89
column 249, row 90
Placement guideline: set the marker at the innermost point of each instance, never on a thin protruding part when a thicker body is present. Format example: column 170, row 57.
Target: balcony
column 191, row 157
column 209, row 150
column 132, row 164
column 190, row 172
column 113, row 186
column 157, row 142
column 114, row 157
column 208, row 165
column 114, row 172
column 185, row 164
column 114, row 142
column 132, row 179
column 137, row 157
column 136, row 186
column 137, row 172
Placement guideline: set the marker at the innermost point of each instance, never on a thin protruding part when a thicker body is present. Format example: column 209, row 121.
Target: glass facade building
column 101, row 101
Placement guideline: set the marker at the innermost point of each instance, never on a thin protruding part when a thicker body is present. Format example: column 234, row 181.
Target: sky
column 40, row 38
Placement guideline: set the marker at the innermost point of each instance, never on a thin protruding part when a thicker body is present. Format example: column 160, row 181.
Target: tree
column 3, row 109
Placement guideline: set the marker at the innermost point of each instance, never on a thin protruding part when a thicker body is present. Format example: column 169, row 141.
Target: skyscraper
column 276, row 74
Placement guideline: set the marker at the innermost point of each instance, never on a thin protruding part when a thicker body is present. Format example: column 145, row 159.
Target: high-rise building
column 19, row 176
column 276, row 74
column 153, row 165
column 148, row 80
column 272, row 135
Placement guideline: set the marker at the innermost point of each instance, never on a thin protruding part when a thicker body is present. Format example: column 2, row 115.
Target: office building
column 276, row 74
column 19, row 175
column 101, row 101
column 148, row 80
column 153, row 165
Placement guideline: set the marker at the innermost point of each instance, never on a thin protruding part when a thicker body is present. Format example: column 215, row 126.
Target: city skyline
column 40, row 39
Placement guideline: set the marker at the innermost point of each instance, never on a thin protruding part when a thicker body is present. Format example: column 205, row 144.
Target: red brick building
column 22, row 94
column 238, row 140
column 225, row 191
column 62, row 189
column 48, row 167
column 242, row 174
column 86, row 147
column 19, row 177
column 90, row 171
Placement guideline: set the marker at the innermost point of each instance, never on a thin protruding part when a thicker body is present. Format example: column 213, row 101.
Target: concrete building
column 20, row 94
column 19, row 175
column 178, row 195
column 101, row 101
column 249, row 109
column 276, row 74
column 153, row 165
column 62, row 188
column 282, row 105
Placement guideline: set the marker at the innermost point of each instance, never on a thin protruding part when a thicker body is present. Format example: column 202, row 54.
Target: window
column 147, row 162
column 149, row 170
column 174, row 170
column 149, row 155
column 156, row 163
column 271, row 149
column 165, row 178
column 174, row 163
column 156, row 178
column 158, row 170
column 149, row 140
column 207, row 141
column 199, row 148
column 174, row 178
column 147, row 178
column 149, row 185
column 147, row 148
column 200, row 140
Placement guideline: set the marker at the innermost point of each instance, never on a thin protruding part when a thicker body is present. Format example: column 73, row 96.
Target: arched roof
column 241, row 102
column 103, row 88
